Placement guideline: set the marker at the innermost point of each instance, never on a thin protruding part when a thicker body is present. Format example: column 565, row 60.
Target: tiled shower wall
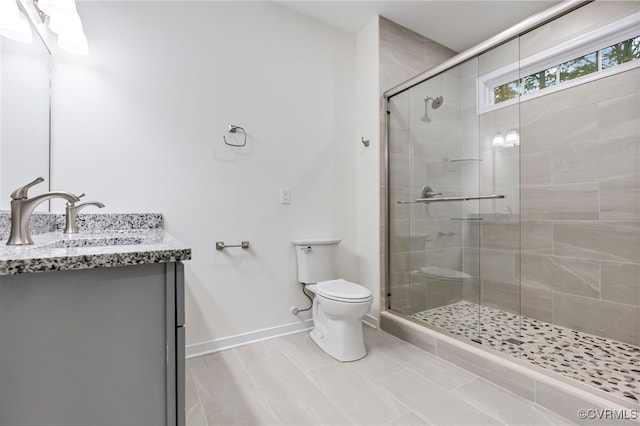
column 403, row 54
column 579, row 264
column 580, row 186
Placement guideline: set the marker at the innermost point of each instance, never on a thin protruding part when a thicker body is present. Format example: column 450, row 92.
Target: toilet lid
column 342, row 290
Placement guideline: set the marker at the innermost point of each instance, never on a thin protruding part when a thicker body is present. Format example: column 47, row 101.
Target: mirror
column 24, row 116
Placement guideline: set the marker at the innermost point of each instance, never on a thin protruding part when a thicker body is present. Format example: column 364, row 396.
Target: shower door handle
column 473, row 197
column 443, row 199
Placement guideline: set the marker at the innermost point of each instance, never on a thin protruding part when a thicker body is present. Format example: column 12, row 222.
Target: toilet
column 338, row 306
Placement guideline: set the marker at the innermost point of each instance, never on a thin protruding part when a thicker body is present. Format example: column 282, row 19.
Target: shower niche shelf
column 464, row 160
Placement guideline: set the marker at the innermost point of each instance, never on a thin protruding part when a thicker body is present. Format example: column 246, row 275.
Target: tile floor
column 290, row 381
column 608, row 365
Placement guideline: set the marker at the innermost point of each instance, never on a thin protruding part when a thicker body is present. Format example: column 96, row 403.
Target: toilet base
column 345, row 344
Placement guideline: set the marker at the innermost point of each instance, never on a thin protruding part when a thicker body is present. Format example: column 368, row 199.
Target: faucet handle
column 21, row 193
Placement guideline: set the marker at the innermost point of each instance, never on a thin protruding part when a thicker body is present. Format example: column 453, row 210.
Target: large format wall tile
column 619, row 158
column 576, row 164
column 597, row 91
column 536, row 236
column 500, row 234
column 398, row 211
column 535, row 168
column 577, row 126
column 505, row 296
column 537, row 303
column 620, row 199
column 399, row 236
column 619, row 118
column 620, row 282
column 497, row 265
column 564, row 274
column 615, row 321
column 399, row 140
column 395, row 37
column 611, row 241
column 442, row 292
column 560, row 202
column 399, row 164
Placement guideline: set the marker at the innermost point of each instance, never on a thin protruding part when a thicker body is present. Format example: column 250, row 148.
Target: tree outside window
column 620, row 53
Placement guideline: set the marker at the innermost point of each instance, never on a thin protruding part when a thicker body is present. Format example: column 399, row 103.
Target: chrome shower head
column 435, row 104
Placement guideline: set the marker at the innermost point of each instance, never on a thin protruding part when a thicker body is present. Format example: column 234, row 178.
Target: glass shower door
column 454, row 231
column 434, row 243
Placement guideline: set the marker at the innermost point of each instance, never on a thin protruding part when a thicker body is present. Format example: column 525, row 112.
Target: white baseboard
column 217, row 345
column 370, row 320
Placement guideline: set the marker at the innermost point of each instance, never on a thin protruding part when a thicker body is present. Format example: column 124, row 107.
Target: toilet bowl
column 338, row 306
column 338, row 309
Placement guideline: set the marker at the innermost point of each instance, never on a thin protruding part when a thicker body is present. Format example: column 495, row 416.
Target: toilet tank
column 316, row 259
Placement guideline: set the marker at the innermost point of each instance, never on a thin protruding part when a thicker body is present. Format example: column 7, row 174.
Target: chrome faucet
column 71, row 227
column 22, row 207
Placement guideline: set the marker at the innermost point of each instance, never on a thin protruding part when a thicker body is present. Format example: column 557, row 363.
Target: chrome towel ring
column 235, row 129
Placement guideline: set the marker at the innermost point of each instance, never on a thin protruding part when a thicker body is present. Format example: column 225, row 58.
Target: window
column 566, row 65
column 541, row 80
column 621, row 53
column 578, row 67
column 506, row 91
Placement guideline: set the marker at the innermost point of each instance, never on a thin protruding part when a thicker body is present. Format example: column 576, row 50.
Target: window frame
column 593, row 41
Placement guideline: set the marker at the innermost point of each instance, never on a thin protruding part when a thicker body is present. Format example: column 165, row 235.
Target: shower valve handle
column 427, row 192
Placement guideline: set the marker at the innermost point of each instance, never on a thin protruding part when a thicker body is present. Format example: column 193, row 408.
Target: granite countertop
column 122, row 240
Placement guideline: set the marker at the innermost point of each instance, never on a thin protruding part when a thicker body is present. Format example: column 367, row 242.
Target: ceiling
column 458, row 25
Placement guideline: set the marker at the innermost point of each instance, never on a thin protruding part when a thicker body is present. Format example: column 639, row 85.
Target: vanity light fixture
column 498, row 140
column 13, row 23
column 512, row 138
column 63, row 20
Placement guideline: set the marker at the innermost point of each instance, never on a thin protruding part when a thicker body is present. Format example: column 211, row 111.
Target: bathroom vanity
column 92, row 327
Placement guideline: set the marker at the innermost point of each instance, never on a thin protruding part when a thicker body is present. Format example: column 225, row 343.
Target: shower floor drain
column 514, row 341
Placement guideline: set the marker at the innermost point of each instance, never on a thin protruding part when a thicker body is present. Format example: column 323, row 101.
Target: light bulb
column 498, row 139
column 13, row 23
column 74, row 41
column 512, row 138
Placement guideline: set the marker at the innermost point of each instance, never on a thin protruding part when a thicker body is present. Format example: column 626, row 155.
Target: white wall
column 138, row 124
column 368, row 160
column 24, row 105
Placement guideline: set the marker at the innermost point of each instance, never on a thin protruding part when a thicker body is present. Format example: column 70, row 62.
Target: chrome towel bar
column 220, row 245
column 442, row 199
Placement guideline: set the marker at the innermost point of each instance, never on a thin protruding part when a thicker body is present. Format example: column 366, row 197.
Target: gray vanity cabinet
column 102, row 346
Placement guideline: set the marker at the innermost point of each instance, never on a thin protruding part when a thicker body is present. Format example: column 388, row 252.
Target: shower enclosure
column 513, row 198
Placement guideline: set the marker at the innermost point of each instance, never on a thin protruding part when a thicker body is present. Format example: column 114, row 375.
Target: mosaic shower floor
column 608, row 365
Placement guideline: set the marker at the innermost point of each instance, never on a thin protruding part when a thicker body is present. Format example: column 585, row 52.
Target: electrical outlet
column 285, row 196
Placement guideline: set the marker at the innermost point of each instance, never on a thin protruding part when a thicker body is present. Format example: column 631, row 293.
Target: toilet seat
column 343, row 291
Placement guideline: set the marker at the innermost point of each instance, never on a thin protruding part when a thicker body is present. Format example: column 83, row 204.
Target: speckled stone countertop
column 102, row 241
